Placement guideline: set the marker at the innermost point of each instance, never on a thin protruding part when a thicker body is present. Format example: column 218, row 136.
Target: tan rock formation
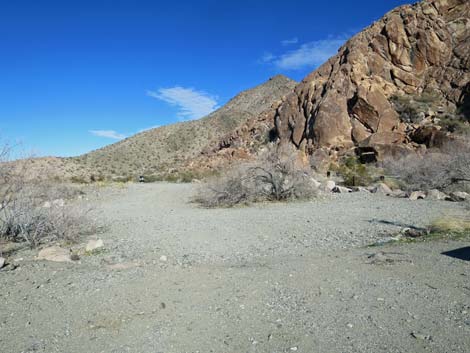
column 346, row 102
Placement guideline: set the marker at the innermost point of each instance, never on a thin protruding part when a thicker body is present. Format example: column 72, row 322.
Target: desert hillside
column 162, row 149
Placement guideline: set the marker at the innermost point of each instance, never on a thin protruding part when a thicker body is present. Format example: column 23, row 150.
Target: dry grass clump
column 435, row 169
column 274, row 176
column 36, row 212
column 450, row 224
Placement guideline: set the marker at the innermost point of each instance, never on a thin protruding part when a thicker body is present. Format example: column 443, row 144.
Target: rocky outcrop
column 414, row 50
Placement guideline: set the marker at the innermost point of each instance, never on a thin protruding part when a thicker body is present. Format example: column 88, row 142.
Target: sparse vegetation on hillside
column 157, row 151
column 273, row 176
column 415, row 108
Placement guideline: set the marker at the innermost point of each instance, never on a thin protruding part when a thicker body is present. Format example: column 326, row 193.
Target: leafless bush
column 436, row 169
column 28, row 212
column 274, row 176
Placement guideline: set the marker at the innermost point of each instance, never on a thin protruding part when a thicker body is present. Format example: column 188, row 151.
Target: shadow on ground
column 396, row 224
column 461, row 253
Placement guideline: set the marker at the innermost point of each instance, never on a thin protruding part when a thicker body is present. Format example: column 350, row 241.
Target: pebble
column 2, row 262
column 94, row 244
column 163, row 258
column 421, row 336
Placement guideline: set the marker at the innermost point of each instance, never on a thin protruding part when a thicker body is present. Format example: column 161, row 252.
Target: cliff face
column 413, row 51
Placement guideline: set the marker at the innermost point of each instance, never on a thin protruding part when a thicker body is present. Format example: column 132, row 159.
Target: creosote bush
column 274, row 176
column 28, row 212
column 435, row 169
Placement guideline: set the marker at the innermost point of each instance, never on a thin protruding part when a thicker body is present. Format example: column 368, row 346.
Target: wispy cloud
column 191, row 103
column 311, row 54
column 267, row 57
column 286, row 42
column 108, row 134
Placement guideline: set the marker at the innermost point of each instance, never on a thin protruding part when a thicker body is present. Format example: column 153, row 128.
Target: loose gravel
column 299, row 277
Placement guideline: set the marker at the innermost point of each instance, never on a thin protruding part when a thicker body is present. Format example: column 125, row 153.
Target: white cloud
column 192, row 104
column 267, row 57
column 310, row 54
column 286, row 42
column 108, row 134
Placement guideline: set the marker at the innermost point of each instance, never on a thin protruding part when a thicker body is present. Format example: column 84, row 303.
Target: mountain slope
column 415, row 54
column 166, row 148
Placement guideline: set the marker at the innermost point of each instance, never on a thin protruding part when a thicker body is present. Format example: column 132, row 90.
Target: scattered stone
column 75, row 257
column 94, row 244
column 330, row 185
column 414, row 232
column 341, row 190
column 294, row 349
column 459, row 196
column 350, row 325
column 2, row 262
column 435, row 194
column 398, row 193
column 163, row 258
column 55, row 253
column 316, row 184
column 417, row 195
column 381, row 188
column 420, row 336
column 9, row 267
column 47, row 204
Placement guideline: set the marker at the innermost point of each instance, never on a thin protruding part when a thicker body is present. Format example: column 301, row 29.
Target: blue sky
column 77, row 75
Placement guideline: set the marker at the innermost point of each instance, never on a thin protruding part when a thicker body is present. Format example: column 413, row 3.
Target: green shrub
column 354, row 173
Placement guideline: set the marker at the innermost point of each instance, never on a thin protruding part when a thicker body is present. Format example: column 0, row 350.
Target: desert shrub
column 79, row 180
column 274, row 176
column 24, row 216
column 353, row 172
column 435, row 169
column 451, row 224
column 457, row 124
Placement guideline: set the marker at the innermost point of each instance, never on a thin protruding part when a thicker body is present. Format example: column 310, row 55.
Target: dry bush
column 274, row 176
column 451, row 224
column 436, row 169
column 24, row 217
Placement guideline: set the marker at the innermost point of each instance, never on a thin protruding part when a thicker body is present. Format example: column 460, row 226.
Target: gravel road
column 296, row 277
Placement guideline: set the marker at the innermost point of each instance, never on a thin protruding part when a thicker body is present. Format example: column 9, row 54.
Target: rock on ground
column 55, row 253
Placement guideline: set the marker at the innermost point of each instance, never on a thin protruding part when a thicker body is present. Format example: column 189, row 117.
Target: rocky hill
column 401, row 84
column 164, row 150
column 390, row 88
